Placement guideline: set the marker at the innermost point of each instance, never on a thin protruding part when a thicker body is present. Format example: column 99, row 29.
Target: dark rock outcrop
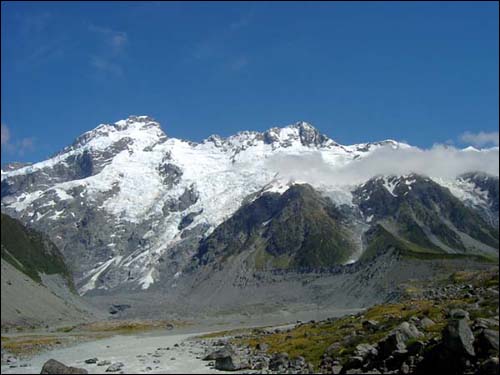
column 55, row 367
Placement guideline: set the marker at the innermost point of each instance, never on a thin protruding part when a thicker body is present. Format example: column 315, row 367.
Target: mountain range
column 133, row 210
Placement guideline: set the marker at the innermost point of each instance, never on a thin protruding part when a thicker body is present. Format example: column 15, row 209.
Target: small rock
column 104, row 363
column 115, row 367
column 365, row 351
column 262, row 346
column 426, row 323
column 91, row 360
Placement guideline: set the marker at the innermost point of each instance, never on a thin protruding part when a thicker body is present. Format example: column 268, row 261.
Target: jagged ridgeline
column 131, row 208
column 420, row 216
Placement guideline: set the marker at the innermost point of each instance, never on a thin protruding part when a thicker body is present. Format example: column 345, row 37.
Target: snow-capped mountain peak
column 136, row 128
column 124, row 196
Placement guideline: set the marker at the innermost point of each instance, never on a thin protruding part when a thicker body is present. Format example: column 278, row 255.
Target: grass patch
column 312, row 340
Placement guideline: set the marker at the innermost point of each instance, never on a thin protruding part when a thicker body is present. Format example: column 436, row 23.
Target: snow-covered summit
column 124, row 197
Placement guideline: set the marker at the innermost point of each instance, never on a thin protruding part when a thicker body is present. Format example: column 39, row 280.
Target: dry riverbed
column 141, row 346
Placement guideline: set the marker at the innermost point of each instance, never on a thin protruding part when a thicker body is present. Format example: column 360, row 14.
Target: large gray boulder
column 409, row 331
column 394, row 342
column 55, row 367
column 221, row 353
column 489, row 367
column 230, row 362
column 487, row 342
column 458, row 337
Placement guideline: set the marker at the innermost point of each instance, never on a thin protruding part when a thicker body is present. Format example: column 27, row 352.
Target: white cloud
column 5, row 134
column 20, row 147
column 439, row 161
column 113, row 43
column 480, row 139
column 113, row 38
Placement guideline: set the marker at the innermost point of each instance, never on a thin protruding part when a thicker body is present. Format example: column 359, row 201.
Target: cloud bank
column 480, row 139
column 439, row 161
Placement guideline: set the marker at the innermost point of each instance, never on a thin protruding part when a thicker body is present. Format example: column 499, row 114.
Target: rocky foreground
column 449, row 326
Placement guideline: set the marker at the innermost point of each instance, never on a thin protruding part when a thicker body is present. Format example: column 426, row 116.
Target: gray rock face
column 81, row 199
column 55, row 367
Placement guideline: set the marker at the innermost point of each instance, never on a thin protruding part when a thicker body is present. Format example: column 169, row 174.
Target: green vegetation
column 299, row 229
column 30, row 251
column 335, row 336
column 381, row 241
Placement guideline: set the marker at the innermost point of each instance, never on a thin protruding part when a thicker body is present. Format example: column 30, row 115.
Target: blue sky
column 421, row 72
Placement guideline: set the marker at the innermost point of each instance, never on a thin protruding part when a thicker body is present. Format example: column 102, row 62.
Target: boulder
column 354, row 362
column 487, row 342
column 426, row 323
column 409, row 331
column 391, row 343
column 459, row 314
column 416, row 347
column 365, row 351
column 224, row 352
column 115, row 367
column 370, row 325
column 279, row 361
column 230, row 362
column 489, row 367
column 55, row 367
column 91, row 361
column 262, row 346
column 458, row 337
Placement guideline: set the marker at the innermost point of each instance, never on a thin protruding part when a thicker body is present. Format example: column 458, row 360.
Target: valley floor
column 144, row 352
